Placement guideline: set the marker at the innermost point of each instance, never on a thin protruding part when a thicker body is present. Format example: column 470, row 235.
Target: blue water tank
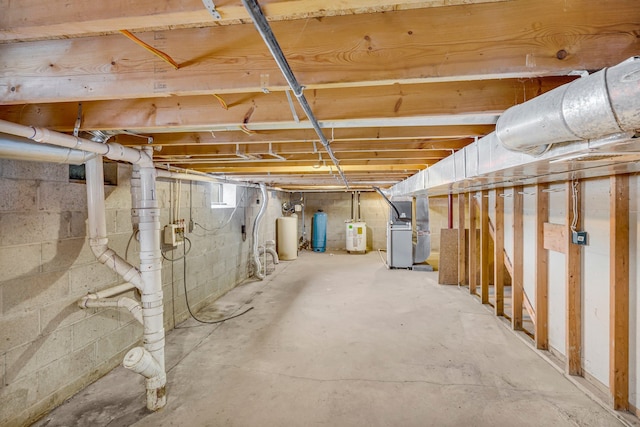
column 319, row 237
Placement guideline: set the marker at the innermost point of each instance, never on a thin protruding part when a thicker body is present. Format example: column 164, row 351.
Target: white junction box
column 174, row 234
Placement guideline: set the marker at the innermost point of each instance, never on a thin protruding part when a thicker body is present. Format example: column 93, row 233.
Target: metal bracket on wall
column 211, row 7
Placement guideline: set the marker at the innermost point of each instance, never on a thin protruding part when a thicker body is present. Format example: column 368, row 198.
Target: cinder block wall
column 49, row 348
column 373, row 210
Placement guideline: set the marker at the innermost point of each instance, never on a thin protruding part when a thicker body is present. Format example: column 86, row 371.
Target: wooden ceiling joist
column 424, row 134
column 511, row 38
column 32, row 20
column 148, row 115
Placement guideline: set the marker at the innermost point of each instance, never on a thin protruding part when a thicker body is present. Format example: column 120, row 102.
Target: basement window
column 223, row 195
column 78, row 174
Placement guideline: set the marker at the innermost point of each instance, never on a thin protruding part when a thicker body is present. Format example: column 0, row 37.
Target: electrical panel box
column 174, row 234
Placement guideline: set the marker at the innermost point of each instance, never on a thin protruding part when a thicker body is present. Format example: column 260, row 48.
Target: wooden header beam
column 396, row 101
column 354, row 51
column 30, row 19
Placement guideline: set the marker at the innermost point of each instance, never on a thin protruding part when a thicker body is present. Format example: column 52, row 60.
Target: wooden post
column 517, row 287
column 542, row 265
column 573, row 270
column 498, row 254
column 484, row 247
column 462, row 265
column 473, row 255
column 619, row 292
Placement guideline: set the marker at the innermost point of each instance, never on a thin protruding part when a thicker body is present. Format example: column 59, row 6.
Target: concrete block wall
column 374, row 211
column 49, row 348
column 337, row 205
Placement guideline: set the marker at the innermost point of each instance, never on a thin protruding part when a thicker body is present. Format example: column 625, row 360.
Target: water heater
column 356, row 237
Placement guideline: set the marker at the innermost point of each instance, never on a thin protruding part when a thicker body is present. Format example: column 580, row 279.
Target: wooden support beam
column 30, row 19
column 541, row 334
column 473, row 244
column 284, row 168
column 498, row 254
column 484, row 247
column 619, row 292
column 529, row 307
column 573, row 271
column 462, row 245
column 338, row 51
column 204, row 111
column 517, row 276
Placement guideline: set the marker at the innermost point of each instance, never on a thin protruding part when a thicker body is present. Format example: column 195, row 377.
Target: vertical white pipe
column 148, row 216
column 257, row 266
column 97, row 224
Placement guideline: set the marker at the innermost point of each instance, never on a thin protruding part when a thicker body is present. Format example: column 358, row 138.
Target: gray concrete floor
column 339, row 340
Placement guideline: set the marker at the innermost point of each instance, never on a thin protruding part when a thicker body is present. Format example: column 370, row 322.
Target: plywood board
column 448, row 267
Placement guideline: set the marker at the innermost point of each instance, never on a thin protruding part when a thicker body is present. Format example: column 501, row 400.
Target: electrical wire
column 574, row 203
column 162, row 252
column 214, row 229
column 186, row 297
column 126, row 251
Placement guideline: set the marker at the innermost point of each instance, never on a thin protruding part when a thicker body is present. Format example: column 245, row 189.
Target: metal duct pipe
column 18, row 148
column 602, row 104
column 257, row 266
column 263, row 27
column 111, row 151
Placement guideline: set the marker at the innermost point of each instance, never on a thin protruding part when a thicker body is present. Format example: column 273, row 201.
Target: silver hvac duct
column 263, row 27
column 602, row 104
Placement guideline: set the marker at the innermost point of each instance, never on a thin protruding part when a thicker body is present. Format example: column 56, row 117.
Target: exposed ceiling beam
column 344, row 148
column 513, row 38
column 31, row 19
column 266, row 169
column 385, row 102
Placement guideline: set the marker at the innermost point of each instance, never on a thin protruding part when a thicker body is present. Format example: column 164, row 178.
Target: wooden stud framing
column 498, row 254
column 462, row 265
column 619, row 292
column 517, row 290
column 542, row 266
column 484, row 247
column 573, row 271
column 473, row 254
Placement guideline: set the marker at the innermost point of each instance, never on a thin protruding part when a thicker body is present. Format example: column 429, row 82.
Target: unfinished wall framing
column 575, row 301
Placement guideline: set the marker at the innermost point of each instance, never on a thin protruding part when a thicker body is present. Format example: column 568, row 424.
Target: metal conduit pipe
column 263, row 27
column 257, row 266
column 123, row 302
column 111, row 151
column 592, row 107
column 149, row 361
column 18, row 148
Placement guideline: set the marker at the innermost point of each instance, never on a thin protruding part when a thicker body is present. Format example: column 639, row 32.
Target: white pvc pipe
column 257, row 266
column 18, row 148
column 270, row 251
column 97, row 224
column 111, row 151
column 147, row 214
column 123, row 302
column 111, row 292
